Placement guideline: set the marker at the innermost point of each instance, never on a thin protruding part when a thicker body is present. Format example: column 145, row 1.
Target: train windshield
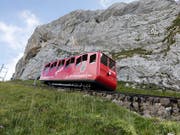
column 108, row 62
column 104, row 60
column 111, row 64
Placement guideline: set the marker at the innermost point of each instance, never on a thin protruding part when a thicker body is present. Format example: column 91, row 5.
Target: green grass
column 172, row 31
column 130, row 53
column 146, row 90
column 62, row 52
column 30, row 110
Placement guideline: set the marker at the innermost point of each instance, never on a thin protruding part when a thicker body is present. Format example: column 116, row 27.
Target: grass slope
column 27, row 110
column 146, row 90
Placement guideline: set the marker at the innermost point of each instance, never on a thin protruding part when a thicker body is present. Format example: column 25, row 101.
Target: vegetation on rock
column 146, row 89
column 172, row 31
column 130, row 53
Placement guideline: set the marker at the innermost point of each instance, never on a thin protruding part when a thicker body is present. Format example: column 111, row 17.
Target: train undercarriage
column 80, row 84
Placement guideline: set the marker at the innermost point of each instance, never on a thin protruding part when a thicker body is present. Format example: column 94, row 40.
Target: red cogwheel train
column 93, row 69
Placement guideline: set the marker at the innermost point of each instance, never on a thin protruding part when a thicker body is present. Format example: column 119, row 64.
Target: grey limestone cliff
column 143, row 37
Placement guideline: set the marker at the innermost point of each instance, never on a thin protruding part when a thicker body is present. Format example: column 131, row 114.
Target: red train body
column 95, row 69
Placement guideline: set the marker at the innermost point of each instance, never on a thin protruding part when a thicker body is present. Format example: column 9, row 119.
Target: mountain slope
column 143, row 37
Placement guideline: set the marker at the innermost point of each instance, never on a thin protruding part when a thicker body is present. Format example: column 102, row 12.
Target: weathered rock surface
column 142, row 36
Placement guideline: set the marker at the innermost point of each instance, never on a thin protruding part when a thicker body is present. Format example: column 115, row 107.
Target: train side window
column 47, row 66
column 52, row 65
column 63, row 61
column 78, row 60
column 84, row 57
column 112, row 64
column 104, row 60
column 55, row 63
column 60, row 63
column 92, row 58
column 72, row 60
column 68, row 62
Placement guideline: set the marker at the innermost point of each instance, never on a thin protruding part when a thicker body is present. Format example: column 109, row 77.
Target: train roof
column 76, row 56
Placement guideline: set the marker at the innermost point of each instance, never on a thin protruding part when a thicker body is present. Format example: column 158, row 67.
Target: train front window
column 92, row 58
column 104, row 60
column 111, row 64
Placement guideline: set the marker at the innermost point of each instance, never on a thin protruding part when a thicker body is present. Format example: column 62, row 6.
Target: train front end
column 107, row 75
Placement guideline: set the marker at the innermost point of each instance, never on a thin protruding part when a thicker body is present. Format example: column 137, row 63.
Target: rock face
column 143, row 37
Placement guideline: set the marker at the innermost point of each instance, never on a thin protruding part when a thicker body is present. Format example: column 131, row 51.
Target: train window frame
column 103, row 57
column 77, row 60
column 91, row 59
column 84, row 57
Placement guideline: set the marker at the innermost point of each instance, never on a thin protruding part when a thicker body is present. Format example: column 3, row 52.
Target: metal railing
column 3, row 72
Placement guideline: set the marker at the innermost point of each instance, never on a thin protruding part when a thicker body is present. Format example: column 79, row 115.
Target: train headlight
column 109, row 73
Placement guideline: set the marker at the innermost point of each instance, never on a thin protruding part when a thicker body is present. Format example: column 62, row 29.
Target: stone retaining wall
column 164, row 108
